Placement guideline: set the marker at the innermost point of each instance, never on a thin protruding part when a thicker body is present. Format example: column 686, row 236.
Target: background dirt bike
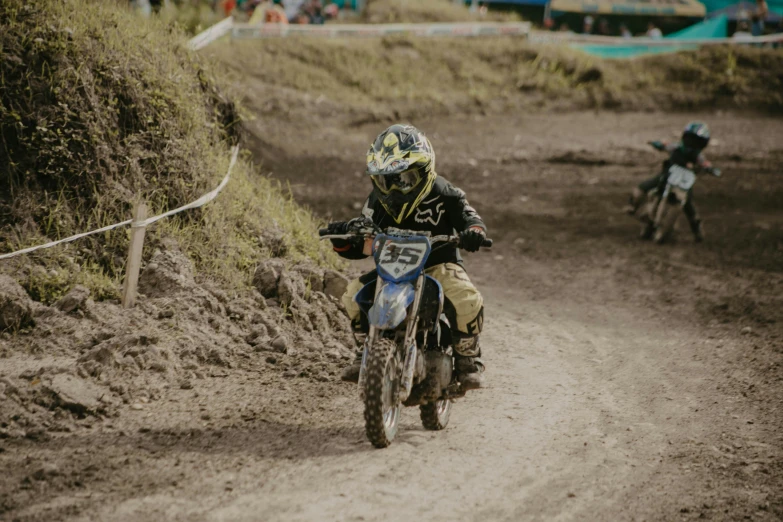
column 407, row 358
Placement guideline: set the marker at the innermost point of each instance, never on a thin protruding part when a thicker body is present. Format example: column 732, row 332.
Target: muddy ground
column 626, row 381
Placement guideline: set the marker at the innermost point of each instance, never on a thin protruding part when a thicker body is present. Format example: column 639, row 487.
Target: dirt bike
column 660, row 213
column 407, row 357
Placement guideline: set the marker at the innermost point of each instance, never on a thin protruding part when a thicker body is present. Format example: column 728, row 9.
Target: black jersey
column 444, row 211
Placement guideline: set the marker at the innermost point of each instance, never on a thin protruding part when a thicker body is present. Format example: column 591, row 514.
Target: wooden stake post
column 133, row 265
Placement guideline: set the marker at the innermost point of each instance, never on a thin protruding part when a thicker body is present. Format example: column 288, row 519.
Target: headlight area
column 391, row 305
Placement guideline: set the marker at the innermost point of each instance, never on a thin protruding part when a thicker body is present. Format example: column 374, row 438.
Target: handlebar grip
column 323, row 231
column 487, row 243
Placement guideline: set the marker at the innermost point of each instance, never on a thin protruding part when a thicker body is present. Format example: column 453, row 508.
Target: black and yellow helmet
column 401, row 163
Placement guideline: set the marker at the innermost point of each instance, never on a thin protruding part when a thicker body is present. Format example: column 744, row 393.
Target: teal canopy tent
column 715, row 28
column 775, row 7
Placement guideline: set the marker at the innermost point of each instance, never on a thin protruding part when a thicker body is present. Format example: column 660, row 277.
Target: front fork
column 411, row 352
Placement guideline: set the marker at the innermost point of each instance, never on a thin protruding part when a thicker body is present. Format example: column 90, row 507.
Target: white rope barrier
column 545, row 37
column 206, row 37
column 248, row 31
column 200, row 202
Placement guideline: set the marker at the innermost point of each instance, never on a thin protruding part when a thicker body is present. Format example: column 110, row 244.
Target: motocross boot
column 634, row 200
column 351, row 373
column 468, row 365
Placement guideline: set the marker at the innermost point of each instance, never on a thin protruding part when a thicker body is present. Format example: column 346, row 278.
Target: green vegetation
column 99, row 109
column 405, row 75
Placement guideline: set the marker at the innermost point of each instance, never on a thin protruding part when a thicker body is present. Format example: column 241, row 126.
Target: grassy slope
column 98, row 109
column 405, row 75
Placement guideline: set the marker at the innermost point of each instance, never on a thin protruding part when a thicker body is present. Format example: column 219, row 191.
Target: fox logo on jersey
column 429, row 215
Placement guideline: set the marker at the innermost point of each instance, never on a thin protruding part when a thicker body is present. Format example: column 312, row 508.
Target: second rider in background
column 408, row 194
column 687, row 153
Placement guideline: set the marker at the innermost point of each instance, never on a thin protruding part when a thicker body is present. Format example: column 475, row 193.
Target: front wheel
column 666, row 223
column 381, row 398
column 435, row 415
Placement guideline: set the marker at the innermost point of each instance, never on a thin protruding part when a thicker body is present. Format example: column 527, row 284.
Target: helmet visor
column 403, row 182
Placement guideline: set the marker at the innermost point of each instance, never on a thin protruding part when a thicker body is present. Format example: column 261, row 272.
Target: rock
column 75, row 394
column 16, row 307
column 746, row 331
column 313, row 277
column 102, row 354
column 274, row 240
column 166, row 314
column 167, row 273
column 73, row 300
column 280, row 344
column 335, row 283
column 290, row 288
column 266, row 277
column 257, row 335
column 47, row 470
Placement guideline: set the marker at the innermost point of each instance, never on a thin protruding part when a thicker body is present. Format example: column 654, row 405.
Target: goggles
column 403, row 182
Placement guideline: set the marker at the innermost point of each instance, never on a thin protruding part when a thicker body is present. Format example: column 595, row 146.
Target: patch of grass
column 410, row 76
column 100, row 109
column 191, row 17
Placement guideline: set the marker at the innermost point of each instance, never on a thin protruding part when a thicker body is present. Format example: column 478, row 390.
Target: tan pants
column 458, row 289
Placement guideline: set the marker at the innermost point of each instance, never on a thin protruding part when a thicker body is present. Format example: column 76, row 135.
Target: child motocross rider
column 686, row 153
column 409, row 195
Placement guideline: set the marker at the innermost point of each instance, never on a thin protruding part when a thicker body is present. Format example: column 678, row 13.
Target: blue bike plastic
column 399, row 261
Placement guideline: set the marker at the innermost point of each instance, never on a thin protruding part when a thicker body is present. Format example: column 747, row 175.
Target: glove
column 337, row 228
column 471, row 239
column 657, row 145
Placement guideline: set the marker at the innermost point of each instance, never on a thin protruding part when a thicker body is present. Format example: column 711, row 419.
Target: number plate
column 681, row 177
column 401, row 259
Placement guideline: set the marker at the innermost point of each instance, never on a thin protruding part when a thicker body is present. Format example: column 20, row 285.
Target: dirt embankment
column 402, row 77
column 98, row 110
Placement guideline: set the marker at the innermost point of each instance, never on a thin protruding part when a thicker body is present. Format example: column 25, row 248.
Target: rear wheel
column 381, row 385
column 435, row 415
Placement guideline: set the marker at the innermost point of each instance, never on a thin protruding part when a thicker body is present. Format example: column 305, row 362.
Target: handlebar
column 324, row 234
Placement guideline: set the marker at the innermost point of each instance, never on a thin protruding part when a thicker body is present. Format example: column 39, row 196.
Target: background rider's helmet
column 401, row 164
column 696, row 136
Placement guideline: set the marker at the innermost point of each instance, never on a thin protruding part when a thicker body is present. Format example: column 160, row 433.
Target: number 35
column 405, row 255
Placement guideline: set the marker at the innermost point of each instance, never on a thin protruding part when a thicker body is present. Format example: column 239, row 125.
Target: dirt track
column 626, row 381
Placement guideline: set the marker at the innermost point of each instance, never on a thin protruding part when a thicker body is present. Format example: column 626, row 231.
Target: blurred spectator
column 228, row 6
column 331, row 11
column 587, row 25
column 756, row 25
column 292, row 8
column 565, row 29
column 315, row 12
column 762, row 9
column 653, row 31
column 549, row 24
column 624, row 32
column 743, row 31
column 603, row 27
column 483, row 10
column 269, row 12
